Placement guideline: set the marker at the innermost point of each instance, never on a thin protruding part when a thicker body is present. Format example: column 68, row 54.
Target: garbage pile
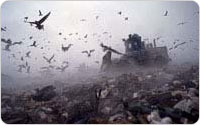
column 161, row 97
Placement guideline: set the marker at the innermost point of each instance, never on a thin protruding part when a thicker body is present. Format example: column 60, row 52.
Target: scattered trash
column 130, row 98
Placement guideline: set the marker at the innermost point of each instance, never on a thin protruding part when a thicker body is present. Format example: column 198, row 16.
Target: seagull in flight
column 166, row 13
column 28, row 54
column 65, row 62
column 83, row 20
column 3, row 29
column 48, row 60
column 97, row 17
column 21, row 67
column 28, row 69
column 88, row 52
column 34, row 44
column 40, row 13
column 8, row 41
column 66, row 48
column 39, row 23
column 85, row 36
column 62, row 68
column 7, row 47
column 25, row 19
column 182, row 23
column 120, row 12
column 196, row 13
column 19, row 43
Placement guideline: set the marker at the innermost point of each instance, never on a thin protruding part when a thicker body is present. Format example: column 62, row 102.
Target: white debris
column 166, row 120
column 149, row 76
column 135, row 95
column 140, row 79
column 192, row 92
column 154, row 118
column 106, row 110
column 46, row 109
column 176, row 82
column 178, row 92
column 65, row 115
column 185, row 105
column 104, row 93
column 42, row 115
column 111, row 80
column 116, row 117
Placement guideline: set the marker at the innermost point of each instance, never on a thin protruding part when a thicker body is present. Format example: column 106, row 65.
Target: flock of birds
column 40, row 26
column 176, row 43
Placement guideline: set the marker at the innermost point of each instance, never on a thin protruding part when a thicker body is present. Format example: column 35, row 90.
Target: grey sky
column 145, row 19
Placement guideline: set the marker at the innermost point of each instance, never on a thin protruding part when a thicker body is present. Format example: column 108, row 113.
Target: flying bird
column 19, row 43
column 8, row 41
column 65, row 62
column 28, row 54
column 28, row 69
column 7, row 47
column 120, row 13
column 34, row 44
column 126, row 18
column 39, row 23
column 88, row 52
column 22, row 59
column 196, row 13
column 105, row 32
column 179, row 44
column 13, row 55
column 25, row 19
column 26, row 64
column 40, row 13
column 83, row 20
column 21, row 67
column 47, row 68
column 85, row 36
column 171, row 48
column 62, row 68
column 97, row 62
column 3, row 29
column 48, row 60
column 66, row 48
column 182, row 23
column 166, row 13
column 97, row 17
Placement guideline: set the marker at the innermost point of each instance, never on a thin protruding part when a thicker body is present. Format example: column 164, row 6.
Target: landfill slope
column 162, row 96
